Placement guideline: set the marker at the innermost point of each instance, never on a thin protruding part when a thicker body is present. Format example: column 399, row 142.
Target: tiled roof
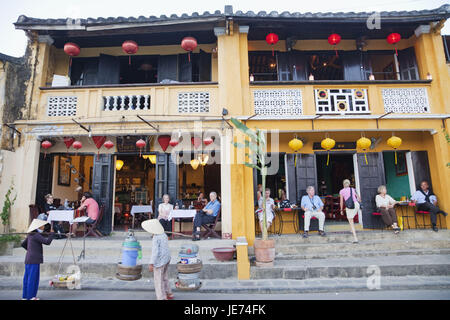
column 442, row 12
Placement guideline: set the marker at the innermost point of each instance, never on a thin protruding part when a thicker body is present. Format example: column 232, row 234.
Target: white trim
column 357, row 184
column 410, row 167
column 287, row 176
column 422, row 29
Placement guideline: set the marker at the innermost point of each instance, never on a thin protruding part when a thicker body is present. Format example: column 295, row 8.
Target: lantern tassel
column 336, row 52
column 129, row 60
column 328, row 158
column 396, row 52
column 295, row 160
column 395, row 157
column 273, row 53
column 365, row 157
column 189, row 56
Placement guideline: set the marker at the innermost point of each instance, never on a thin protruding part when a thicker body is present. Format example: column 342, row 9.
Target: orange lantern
column 328, row 144
column 363, row 143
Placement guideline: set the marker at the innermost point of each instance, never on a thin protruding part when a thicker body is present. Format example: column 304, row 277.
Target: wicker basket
column 124, row 270
column 62, row 284
column 180, row 287
column 189, row 268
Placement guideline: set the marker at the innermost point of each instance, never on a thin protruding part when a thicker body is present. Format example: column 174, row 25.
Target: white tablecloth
column 61, row 215
column 180, row 213
column 141, row 209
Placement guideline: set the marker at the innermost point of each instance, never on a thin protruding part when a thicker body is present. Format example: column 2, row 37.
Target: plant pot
column 6, row 248
column 264, row 250
column 224, row 254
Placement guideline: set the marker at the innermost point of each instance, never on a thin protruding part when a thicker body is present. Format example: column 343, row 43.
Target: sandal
column 170, row 296
column 35, row 298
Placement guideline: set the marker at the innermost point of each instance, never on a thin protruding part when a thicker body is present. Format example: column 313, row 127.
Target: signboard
column 127, row 144
column 338, row 146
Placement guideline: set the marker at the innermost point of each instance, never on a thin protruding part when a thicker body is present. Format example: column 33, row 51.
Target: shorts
column 351, row 213
column 269, row 215
column 90, row 221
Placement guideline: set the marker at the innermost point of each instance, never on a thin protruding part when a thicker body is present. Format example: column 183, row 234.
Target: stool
column 378, row 214
column 423, row 226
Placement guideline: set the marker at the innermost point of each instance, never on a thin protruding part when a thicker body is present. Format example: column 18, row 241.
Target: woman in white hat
column 34, row 257
column 160, row 260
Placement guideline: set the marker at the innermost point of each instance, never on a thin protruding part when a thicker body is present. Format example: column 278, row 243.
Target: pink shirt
column 345, row 193
column 91, row 208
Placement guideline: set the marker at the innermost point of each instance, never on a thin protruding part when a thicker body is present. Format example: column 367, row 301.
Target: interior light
column 119, row 165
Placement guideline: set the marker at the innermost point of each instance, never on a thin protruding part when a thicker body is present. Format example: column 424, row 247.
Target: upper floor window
column 107, row 69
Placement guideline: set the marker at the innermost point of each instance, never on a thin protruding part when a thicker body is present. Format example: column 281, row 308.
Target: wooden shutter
column 371, row 176
column 366, row 66
column 161, row 179
column 284, row 72
column 352, row 62
column 407, row 64
column 204, row 66
column 44, row 179
column 168, row 67
column 421, row 167
column 185, row 68
column 291, row 178
column 90, row 72
column 306, row 172
column 108, row 70
column 172, row 179
column 297, row 61
column 102, row 188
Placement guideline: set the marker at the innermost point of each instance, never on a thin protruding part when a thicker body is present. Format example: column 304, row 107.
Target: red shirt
column 91, row 208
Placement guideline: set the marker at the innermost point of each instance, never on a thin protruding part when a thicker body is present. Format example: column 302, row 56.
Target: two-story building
column 179, row 104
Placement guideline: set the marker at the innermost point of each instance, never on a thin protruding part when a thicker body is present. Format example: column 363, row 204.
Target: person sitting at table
column 164, row 210
column 312, row 205
column 92, row 210
column 201, row 198
column 207, row 215
column 426, row 200
column 385, row 205
column 55, row 225
column 270, row 205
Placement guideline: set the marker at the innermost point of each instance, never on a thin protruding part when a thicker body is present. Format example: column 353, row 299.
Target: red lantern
column 208, row 141
column 272, row 39
column 72, row 49
column 196, row 142
column 46, row 145
column 173, row 143
column 68, row 142
column 77, row 145
column 393, row 38
column 108, row 144
column 129, row 47
column 189, row 44
column 140, row 144
column 164, row 142
column 334, row 39
column 98, row 140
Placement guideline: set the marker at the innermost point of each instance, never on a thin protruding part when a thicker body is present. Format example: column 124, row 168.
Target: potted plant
column 7, row 244
column 6, row 211
column 256, row 143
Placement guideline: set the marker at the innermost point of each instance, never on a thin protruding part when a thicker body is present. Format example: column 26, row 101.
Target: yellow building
column 299, row 86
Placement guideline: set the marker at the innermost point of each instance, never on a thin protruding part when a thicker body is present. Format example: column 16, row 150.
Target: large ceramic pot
column 264, row 250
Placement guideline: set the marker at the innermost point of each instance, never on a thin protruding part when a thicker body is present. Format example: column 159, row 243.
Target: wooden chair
column 34, row 211
column 92, row 228
column 210, row 228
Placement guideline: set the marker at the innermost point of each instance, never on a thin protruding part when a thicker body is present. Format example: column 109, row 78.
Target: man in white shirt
column 426, row 201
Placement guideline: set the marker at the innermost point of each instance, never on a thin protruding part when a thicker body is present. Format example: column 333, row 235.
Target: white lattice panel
column 281, row 103
column 405, row 100
column 60, row 106
column 195, row 102
column 341, row 101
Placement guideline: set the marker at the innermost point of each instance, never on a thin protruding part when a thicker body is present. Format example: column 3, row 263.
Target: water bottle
column 66, row 204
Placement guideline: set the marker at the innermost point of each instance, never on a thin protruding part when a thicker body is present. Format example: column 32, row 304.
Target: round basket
column 189, row 268
column 61, row 284
column 180, row 287
column 126, row 271
column 128, row 277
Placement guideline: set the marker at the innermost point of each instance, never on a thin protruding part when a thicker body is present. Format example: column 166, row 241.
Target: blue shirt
column 214, row 206
column 307, row 203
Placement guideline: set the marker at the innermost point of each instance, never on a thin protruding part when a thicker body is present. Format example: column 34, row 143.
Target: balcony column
column 430, row 56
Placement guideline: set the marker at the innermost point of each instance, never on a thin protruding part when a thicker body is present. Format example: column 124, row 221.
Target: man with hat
column 160, row 260
column 34, row 257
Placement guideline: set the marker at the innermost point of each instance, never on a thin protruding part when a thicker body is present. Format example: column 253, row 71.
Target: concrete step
column 405, row 265
column 284, row 286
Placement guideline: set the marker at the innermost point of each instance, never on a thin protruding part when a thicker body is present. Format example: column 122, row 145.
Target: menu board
column 127, row 144
column 338, row 146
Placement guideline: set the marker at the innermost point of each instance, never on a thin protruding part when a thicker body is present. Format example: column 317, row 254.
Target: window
column 325, row 66
column 263, row 66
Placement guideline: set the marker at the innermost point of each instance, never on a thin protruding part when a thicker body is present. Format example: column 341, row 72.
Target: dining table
column 181, row 214
column 140, row 209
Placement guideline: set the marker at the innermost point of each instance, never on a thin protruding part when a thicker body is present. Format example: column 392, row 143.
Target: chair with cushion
column 210, row 228
column 92, row 228
column 423, row 213
column 378, row 214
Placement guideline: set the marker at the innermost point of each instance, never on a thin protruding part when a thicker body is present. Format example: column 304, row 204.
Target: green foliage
column 7, row 204
column 9, row 237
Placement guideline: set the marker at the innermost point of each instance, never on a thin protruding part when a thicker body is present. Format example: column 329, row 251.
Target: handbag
column 285, row 204
column 349, row 203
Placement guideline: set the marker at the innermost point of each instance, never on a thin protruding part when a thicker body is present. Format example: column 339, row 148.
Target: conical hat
column 153, row 226
column 35, row 224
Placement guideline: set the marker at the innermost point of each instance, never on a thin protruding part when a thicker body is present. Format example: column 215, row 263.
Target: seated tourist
column 92, row 210
column 385, row 205
column 207, row 215
column 202, row 199
column 56, row 226
column 312, row 205
column 270, row 204
column 425, row 200
column 164, row 210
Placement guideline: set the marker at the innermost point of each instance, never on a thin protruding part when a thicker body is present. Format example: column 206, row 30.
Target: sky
column 13, row 42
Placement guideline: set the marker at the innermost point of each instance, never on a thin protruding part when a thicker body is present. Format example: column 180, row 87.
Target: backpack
column 349, row 203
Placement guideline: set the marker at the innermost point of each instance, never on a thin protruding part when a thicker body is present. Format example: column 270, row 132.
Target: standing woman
column 345, row 194
column 34, row 257
column 164, row 210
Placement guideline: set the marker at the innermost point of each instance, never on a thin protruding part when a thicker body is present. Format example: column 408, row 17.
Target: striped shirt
column 160, row 250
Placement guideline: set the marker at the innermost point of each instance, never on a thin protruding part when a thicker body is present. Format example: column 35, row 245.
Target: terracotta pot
column 264, row 250
column 224, row 254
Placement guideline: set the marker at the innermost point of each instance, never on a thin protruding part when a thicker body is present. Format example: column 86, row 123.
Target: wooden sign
column 127, row 144
column 338, row 146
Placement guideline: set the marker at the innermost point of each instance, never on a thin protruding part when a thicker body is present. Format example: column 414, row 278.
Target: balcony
column 100, row 101
column 294, row 100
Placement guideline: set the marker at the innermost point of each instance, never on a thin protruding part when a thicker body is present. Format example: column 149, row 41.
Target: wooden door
column 102, row 188
column 45, row 178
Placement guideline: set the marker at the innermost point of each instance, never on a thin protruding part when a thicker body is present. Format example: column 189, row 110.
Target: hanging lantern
column 71, row 49
column 108, row 144
column 46, row 145
column 77, row 145
column 207, row 141
column 328, row 144
column 272, row 39
column 393, row 38
column 334, row 40
column 68, row 142
column 152, row 158
column 189, row 44
column 164, row 142
column 173, row 142
column 119, row 165
column 140, row 144
column 196, row 142
column 203, row 159
column 364, row 144
column 99, row 141
column 129, row 47
column 195, row 163
column 394, row 142
column 295, row 144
